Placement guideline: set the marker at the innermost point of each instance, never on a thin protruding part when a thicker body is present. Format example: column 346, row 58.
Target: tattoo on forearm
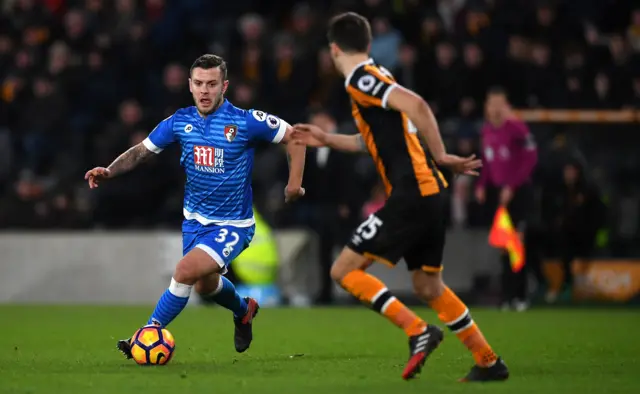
column 361, row 145
column 129, row 159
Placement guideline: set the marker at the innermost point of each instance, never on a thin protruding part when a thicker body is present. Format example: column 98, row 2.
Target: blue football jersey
column 217, row 156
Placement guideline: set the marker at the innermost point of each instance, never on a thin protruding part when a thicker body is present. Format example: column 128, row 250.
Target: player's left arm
column 373, row 86
column 263, row 126
column 295, row 159
column 420, row 114
column 528, row 155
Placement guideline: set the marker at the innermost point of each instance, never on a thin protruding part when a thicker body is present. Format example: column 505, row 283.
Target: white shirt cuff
column 282, row 130
column 151, row 146
column 385, row 96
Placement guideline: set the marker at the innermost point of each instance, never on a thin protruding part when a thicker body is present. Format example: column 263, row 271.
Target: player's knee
column 338, row 271
column 348, row 261
column 428, row 286
column 186, row 272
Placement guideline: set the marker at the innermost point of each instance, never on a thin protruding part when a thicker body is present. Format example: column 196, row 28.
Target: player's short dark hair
column 351, row 32
column 497, row 91
column 209, row 61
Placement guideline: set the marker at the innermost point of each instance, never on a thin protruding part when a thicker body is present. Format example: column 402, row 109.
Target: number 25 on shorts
column 369, row 228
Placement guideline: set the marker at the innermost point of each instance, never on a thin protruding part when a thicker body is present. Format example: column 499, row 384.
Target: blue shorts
column 222, row 243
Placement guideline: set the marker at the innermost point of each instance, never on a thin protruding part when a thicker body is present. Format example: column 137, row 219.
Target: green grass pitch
column 71, row 349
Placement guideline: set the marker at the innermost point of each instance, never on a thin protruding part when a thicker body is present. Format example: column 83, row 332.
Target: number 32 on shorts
column 368, row 229
column 228, row 246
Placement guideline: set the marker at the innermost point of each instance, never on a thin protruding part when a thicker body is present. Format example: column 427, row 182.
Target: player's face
column 496, row 106
column 207, row 88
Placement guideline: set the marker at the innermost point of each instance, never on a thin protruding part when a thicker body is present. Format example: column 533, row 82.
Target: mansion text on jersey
column 208, row 159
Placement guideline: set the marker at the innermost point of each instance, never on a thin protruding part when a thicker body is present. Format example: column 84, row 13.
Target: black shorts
column 409, row 228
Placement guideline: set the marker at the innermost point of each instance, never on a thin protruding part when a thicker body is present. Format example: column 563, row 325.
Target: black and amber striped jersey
column 405, row 167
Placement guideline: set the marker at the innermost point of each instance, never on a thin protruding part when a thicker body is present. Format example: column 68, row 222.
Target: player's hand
column 96, row 175
column 309, row 135
column 461, row 165
column 293, row 193
column 506, row 195
column 481, row 195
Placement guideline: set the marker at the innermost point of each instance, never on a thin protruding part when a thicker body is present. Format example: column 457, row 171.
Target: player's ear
column 190, row 89
column 334, row 50
column 225, row 86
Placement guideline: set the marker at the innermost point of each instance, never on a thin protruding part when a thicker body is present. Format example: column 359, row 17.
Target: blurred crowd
column 82, row 80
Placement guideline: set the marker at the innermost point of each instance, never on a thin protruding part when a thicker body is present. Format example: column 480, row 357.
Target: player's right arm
column 314, row 136
column 158, row 139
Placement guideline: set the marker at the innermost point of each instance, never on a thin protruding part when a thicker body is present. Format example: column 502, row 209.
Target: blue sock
column 172, row 302
column 227, row 296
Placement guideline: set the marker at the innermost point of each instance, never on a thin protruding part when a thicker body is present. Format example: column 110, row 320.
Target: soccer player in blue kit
column 217, row 141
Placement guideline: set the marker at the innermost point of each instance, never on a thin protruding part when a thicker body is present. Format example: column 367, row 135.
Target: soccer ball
column 152, row 345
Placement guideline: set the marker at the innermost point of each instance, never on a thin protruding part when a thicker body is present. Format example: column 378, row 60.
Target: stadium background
column 83, row 80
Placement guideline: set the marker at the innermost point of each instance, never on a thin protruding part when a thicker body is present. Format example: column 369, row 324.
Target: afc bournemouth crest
column 230, row 132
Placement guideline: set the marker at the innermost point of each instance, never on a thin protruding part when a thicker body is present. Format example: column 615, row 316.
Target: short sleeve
column 160, row 137
column 262, row 126
column 371, row 85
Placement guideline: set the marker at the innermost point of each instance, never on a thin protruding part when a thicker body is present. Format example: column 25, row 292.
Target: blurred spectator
column 305, row 35
column 431, row 31
column 476, row 79
column 462, row 187
column 329, row 207
column 635, row 98
column 244, row 95
column 125, row 16
column 602, row 97
column 633, row 31
column 546, row 26
column 385, row 44
column 448, row 10
column 250, row 64
column 102, row 72
column 444, row 84
column 251, row 28
column 542, row 78
column 40, row 133
column 579, row 214
column 406, row 72
column 287, row 81
column 76, row 33
column 329, row 86
column 174, row 92
column 514, row 68
column 115, row 138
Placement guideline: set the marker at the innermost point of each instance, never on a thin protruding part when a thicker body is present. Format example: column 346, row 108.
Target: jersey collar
column 346, row 81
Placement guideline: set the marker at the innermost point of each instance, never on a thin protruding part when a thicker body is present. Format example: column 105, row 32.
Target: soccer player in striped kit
column 217, row 141
column 390, row 121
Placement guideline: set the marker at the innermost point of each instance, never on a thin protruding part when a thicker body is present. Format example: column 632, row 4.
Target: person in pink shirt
column 509, row 157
